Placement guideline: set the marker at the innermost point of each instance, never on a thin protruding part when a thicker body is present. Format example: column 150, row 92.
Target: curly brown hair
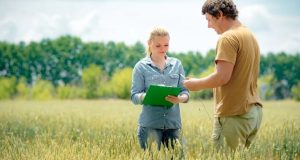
column 227, row 7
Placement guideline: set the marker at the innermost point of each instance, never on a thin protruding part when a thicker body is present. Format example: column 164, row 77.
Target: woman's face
column 159, row 45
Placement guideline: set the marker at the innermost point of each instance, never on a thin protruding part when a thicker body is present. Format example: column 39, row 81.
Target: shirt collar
column 169, row 61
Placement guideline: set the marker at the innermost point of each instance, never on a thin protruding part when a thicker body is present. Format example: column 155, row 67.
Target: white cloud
column 131, row 22
column 256, row 17
column 106, row 20
column 286, row 34
column 274, row 32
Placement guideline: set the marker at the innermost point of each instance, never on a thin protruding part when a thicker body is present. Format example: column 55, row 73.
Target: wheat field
column 106, row 129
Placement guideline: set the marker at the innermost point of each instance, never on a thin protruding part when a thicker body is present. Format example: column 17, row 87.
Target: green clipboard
column 156, row 94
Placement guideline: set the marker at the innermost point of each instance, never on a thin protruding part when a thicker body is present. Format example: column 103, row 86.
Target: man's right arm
column 219, row 77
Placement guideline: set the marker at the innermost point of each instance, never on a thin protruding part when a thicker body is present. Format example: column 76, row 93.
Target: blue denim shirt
column 146, row 73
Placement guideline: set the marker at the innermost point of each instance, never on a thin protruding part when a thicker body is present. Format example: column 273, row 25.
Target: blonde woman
column 159, row 123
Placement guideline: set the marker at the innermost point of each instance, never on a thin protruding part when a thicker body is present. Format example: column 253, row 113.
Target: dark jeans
column 167, row 137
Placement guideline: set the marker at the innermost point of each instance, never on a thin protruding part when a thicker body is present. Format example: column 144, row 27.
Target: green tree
column 192, row 62
column 93, row 53
column 121, row 83
column 34, row 56
column 64, row 63
column 266, row 86
column 134, row 54
column 205, row 93
column 42, row 90
column 61, row 61
column 106, row 90
column 7, row 87
column 91, row 79
column 285, row 69
column 296, row 91
column 69, row 92
column 23, row 91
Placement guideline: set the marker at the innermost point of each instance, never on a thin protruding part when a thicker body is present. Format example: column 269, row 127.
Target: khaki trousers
column 237, row 130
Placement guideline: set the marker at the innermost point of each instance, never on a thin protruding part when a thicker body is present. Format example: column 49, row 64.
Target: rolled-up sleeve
column 137, row 85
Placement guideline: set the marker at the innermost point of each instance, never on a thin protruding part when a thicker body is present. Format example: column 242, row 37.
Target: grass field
column 106, row 129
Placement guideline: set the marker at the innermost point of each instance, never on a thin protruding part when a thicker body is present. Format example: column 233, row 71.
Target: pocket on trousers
column 140, row 130
column 142, row 136
column 222, row 121
column 217, row 128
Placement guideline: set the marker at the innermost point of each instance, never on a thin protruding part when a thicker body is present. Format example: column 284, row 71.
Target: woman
column 159, row 123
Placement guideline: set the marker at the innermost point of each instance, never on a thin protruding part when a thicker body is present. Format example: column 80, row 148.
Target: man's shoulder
column 242, row 30
column 231, row 36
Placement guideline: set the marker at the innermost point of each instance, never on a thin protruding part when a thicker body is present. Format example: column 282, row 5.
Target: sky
column 275, row 23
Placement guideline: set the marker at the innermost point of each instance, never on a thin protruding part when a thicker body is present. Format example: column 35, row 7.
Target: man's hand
column 191, row 84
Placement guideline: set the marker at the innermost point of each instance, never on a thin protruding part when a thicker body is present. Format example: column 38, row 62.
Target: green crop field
column 106, row 129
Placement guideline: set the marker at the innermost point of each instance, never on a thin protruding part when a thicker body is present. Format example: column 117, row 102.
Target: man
column 238, row 110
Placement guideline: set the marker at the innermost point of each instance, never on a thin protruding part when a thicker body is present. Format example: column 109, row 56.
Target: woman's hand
column 177, row 99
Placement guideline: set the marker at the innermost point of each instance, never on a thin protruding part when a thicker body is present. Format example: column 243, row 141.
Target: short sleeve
column 227, row 49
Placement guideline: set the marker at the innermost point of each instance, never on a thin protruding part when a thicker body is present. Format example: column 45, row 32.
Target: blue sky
column 274, row 22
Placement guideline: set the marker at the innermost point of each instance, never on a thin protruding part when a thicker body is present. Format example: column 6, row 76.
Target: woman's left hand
column 177, row 99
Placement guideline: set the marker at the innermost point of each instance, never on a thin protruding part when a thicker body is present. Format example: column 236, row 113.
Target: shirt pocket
column 173, row 80
column 153, row 79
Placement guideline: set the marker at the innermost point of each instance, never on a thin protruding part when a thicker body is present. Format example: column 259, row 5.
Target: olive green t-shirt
column 239, row 47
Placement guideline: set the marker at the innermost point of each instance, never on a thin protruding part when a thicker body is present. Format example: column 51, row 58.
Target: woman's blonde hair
column 157, row 31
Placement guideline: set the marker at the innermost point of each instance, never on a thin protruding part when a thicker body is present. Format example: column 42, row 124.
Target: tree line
column 67, row 67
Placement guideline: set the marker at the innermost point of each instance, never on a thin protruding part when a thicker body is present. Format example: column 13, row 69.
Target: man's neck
column 231, row 24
